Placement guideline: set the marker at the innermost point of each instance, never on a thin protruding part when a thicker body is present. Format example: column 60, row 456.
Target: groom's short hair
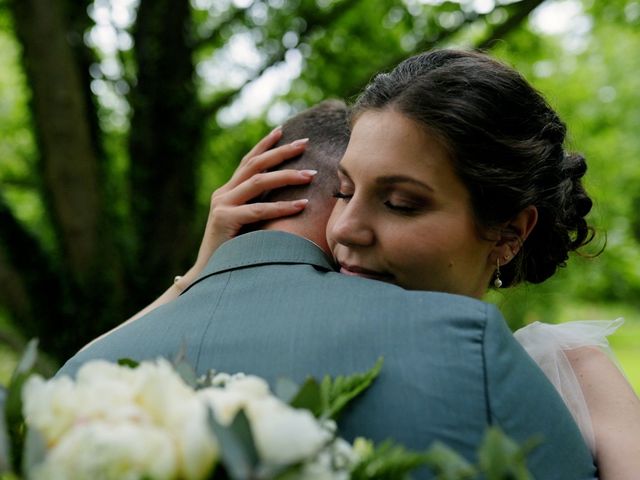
column 327, row 127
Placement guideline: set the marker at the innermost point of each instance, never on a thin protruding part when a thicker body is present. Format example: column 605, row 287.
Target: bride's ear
column 513, row 235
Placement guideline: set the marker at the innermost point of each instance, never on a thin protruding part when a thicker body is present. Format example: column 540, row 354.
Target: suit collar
column 265, row 247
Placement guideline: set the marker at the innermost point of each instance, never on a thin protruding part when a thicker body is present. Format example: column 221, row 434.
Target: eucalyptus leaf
column 35, row 449
column 286, row 389
column 184, row 368
column 280, row 472
column 187, row 373
column 27, row 360
column 237, row 447
column 5, row 447
column 13, row 404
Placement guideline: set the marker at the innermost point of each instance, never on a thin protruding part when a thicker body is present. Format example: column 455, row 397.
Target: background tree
column 118, row 119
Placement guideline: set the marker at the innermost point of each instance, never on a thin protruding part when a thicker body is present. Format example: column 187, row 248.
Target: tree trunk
column 167, row 122
column 68, row 158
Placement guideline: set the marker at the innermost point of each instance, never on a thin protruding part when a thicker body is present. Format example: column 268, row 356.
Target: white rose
column 50, row 406
column 282, row 434
column 196, row 445
column 225, row 404
column 249, row 385
column 108, row 391
column 150, row 398
column 237, row 391
column 105, row 451
column 344, row 454
column 161, row 392
column 172, row 404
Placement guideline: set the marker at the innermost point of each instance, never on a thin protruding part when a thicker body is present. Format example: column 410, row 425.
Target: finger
column 265, row 144
column 264, row 182
column 267, row 160
column 257, row 212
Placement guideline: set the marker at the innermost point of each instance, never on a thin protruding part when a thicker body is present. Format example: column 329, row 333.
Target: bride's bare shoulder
column 615, row 412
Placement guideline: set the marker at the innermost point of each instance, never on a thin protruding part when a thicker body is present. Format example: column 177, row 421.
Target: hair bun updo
column 562, row 226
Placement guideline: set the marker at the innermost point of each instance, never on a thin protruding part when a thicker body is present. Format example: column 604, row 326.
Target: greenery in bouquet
column 156, row 421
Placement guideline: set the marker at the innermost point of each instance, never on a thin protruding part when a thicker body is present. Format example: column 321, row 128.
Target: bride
column 455, row 179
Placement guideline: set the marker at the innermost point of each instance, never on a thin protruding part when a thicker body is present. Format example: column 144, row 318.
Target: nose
column 352, row 226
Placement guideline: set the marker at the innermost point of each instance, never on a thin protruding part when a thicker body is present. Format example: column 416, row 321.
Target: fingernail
column 276, row 130
column 308, row 173
column 300, row 142
column 301, row 203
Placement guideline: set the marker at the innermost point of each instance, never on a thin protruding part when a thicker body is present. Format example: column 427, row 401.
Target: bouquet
column 157, row 421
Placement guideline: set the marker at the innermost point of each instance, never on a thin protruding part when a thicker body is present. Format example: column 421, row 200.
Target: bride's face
column 403, row 215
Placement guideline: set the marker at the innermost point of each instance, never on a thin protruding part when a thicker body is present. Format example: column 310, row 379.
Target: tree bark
column 68, row 157
column 165, row 141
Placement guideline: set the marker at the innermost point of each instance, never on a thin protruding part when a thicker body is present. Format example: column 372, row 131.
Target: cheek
column 337, row 209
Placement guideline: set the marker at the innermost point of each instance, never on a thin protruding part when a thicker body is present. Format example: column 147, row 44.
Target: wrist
column 182, row 282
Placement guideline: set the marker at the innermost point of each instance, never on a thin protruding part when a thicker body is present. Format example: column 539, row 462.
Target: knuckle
column 257, row 179
column 259, row 210
column 215, row 198
column 251, row 162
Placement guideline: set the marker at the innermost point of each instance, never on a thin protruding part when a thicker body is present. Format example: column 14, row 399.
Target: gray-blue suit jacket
column 269, row 303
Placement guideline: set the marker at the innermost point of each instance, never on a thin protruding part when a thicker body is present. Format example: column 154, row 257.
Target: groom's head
column 327, row 127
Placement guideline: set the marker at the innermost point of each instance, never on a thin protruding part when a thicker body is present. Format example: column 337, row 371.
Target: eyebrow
column 391, row 179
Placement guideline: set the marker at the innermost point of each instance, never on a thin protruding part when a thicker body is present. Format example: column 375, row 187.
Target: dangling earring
column 497, row 282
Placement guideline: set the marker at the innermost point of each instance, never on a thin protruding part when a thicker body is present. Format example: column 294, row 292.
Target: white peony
column 115, row 422
column 284, row 434
column 100, row 450
column 107, row 402
column 237, row 392
column 50, row 406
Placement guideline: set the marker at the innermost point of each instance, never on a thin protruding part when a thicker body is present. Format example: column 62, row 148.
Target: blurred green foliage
column 589, row 74
column 588, row 71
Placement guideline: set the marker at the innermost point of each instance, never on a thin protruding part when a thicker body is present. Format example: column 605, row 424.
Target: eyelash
column 341, row 196
column 396, row 208
column 400, row 209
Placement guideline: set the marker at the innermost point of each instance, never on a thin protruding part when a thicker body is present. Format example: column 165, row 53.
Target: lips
column 356, row 271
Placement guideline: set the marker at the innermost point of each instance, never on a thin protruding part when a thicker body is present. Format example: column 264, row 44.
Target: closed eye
column 341, row 196
column 401, row 208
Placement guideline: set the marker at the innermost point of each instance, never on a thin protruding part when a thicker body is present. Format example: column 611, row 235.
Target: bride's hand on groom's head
column 230, row 211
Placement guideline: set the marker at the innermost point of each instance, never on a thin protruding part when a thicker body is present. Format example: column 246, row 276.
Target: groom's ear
column 514, row 233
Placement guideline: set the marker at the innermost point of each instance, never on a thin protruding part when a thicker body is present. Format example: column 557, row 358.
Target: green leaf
column 388, row 461
column 448, row 464
column 309, row 397
column 237, row 447
column 127, row 362
column 338, row 392
column 501, row 458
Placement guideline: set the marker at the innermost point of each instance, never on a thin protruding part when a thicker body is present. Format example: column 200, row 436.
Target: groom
column 270, row 303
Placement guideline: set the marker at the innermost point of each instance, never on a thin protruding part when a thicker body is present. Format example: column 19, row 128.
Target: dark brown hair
column 506, row 145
